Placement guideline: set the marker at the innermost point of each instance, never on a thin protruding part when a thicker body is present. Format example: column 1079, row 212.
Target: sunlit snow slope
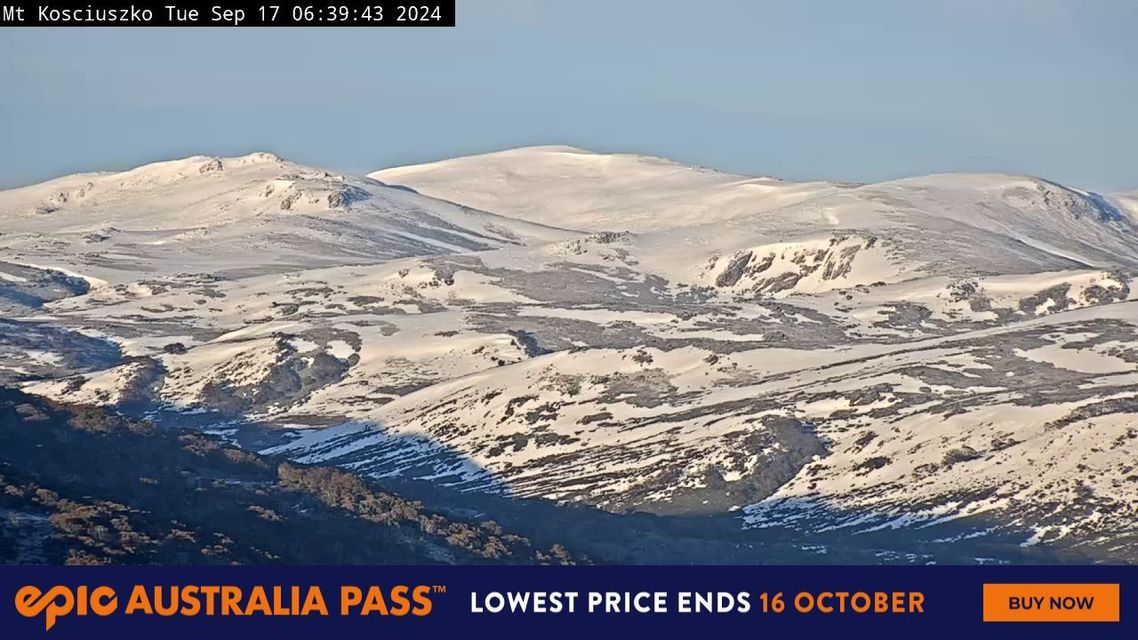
column 251, row 214
column 952, row 358
column 569, row 187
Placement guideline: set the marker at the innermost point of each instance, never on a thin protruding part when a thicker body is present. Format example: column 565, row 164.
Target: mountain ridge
column 910, row 355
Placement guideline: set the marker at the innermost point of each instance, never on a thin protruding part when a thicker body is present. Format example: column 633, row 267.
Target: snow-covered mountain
column 950, row 358
column 566, row 186
column 237, row 216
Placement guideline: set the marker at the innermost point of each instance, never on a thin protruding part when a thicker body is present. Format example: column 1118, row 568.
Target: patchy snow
column 918, row 354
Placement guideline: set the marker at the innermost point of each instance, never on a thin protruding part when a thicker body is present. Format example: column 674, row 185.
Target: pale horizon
column 802, row 91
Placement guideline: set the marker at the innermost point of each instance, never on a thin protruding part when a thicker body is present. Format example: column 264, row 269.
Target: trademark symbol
column 438, row 588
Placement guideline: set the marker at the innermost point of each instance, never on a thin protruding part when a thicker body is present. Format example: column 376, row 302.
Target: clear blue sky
column 864, row 90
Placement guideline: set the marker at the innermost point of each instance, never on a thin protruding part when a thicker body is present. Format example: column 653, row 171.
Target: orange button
column 1051, row 602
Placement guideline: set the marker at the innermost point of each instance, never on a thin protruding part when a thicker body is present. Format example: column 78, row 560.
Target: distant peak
column 550, row 148
column 209, row 164
column 257, row 157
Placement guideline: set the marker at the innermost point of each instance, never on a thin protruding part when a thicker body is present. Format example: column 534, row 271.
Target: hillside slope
column 577, row 189
column 948, row 358
column 83, row 486
column 236, row 216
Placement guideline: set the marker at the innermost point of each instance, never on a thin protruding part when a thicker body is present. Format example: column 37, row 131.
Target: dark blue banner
column 433, row 602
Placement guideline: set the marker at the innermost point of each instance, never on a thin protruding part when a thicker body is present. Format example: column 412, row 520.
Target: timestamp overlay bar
column 227, row 13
